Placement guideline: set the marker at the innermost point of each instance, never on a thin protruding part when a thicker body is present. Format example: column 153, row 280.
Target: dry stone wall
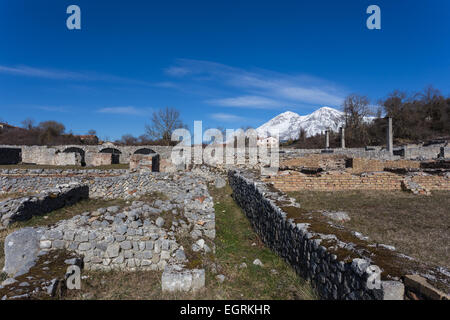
column 339, row 268
column 142, row 234
column 21, row 209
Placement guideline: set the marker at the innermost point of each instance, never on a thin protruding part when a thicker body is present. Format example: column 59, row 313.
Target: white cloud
column 54, row 74
column 41, row 73
column 226, row 117
column 177, row 71
column 129, row 110
column 245, row 101
column 257, row 88
column 52, row 109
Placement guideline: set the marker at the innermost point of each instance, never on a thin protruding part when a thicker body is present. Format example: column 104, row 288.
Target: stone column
column 342, row 137
column 327, row 139
column 389, row 138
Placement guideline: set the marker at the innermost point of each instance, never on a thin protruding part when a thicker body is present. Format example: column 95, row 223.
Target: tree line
column 158, row 132
column 416, row 118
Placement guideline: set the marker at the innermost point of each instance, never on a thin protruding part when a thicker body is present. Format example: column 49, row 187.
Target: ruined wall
column 21, row 209
column 10, row 155
column 151, row 162
column 98, row 159
column 50, row 156
column 326, row 162
column 341, row 181
column 332, row 276
column 430, row 152
column 359, row 165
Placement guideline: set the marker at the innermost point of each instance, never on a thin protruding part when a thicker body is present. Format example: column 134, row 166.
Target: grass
column 416, row 225
column 235, row 243
column 35, row 166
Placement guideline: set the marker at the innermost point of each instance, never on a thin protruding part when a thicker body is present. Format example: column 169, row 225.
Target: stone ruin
column 165, row 216
column 168, row 213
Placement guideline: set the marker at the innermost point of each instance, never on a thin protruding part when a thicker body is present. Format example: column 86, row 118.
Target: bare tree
column 28, row 124
column 129, row 140
column 92, row 132
column 163, row 123
column 356, row 108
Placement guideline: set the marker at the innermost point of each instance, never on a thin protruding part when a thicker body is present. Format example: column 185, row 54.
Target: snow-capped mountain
column 289, row 123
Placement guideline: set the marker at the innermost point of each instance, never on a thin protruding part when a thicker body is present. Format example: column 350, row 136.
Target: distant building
column 5, row 126
column 89, row 139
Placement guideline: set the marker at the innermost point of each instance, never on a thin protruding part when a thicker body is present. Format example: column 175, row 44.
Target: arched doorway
column 77, row 150
column 115, row 154
column 144, row 151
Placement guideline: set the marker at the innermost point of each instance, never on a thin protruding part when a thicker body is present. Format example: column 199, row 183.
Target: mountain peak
column 290, row 123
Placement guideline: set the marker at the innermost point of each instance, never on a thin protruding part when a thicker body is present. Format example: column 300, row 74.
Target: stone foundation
column 341, row 180
column 21, row 209
column 339, row 264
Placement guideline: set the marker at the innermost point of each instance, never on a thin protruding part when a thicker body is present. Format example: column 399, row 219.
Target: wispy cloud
column 55, row 74
column 128, row 110
column 226, row 117
column 256, row 88
column 246, row 101
column 177, row 71
column 52, row 109
column 41, row 73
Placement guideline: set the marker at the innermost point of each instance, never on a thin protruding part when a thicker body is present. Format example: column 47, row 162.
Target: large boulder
column 21, row 250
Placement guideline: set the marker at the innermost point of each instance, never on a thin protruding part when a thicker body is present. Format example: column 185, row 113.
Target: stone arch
column 144, row 151
column 77, row 150
column 115, row 154
column 111, row 150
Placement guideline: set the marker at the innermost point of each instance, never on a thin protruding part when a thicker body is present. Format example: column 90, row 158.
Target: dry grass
column 416, row 225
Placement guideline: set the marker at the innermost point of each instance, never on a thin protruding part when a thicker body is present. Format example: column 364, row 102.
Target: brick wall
column 370, row 165
column 341, row 181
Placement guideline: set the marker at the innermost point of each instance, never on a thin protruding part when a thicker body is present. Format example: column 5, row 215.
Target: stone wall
column 10, row 155
column 140, row 234
column 342, row 180
column 359, row 165
column 333, row 275
column 21, row 209
column 50, row 156
column 123, row 153
column 98, row 159
column 150, row 162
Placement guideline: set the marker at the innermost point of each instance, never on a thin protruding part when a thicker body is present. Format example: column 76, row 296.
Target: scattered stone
column 258, row 262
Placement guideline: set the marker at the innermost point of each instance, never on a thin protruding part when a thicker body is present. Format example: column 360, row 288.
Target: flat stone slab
column 177, row 279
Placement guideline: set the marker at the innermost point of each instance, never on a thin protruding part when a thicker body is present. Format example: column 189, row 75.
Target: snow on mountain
column 289, row 123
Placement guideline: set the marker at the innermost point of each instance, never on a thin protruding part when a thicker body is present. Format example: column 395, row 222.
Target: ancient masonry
column 166, row 214
column 340, row 265
column 143, row 234
column 21, row 209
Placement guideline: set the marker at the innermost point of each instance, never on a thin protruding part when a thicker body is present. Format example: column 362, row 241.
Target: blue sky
column 228, row 63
